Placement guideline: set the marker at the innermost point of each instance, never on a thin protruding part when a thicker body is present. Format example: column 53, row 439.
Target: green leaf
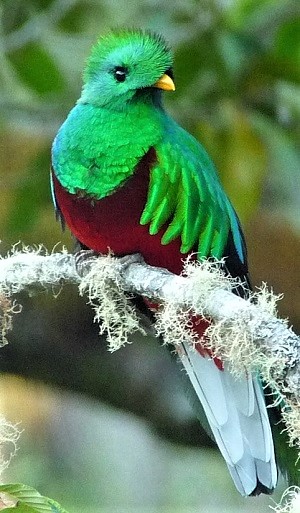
column 239, row 155
column 284, row 163
column 198, row 56
column 31, row 196
column 37, row 69
column 287, row 40
column 237, row 51
column 286, row 50
column 21, row 498
column 252, row 15
column 245, row 165
column 41, row 4
column 75, row 19
column 13, row 19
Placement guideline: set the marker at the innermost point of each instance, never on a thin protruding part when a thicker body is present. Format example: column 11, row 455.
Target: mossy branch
column 245, row 333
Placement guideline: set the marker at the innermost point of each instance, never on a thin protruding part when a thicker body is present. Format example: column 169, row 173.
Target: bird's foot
column 83, row 259
column 126, row 260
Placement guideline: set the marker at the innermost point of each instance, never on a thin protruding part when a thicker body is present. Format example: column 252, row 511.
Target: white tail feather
column 237, row 415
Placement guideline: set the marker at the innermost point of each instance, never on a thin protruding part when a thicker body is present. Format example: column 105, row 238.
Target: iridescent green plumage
column 185, row 195
column 89, row 158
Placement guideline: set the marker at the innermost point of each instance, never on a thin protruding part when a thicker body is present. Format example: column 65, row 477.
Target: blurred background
column 114, row 432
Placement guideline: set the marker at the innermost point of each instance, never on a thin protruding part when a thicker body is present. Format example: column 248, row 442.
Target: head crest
column 129, row 46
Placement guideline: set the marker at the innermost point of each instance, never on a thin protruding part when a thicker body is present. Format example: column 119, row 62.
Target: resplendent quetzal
column 127, row 177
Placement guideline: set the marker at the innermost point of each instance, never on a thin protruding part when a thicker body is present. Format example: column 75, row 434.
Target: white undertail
column 237, row 415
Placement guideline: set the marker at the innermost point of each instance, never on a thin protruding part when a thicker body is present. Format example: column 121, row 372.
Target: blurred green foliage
column 42, row 79
column 237, row 66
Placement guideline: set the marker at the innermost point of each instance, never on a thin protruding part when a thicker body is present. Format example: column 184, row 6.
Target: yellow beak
column 166, row 83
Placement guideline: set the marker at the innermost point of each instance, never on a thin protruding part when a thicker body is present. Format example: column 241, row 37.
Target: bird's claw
column 82, row 258
column 125, row 261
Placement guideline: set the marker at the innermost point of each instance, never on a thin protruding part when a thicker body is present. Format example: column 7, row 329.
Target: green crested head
column 125, row 66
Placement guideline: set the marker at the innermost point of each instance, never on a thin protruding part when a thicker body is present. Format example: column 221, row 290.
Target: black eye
column 120, row 73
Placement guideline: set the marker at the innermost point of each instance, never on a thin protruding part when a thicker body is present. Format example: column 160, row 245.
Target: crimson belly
column 113, row 223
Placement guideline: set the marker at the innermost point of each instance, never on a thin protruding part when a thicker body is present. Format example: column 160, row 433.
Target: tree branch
column 245, row 333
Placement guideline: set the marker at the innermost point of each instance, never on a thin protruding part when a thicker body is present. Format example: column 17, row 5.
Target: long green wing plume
column 185, row 197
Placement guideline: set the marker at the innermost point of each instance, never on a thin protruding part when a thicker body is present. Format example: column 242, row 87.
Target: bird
column 127, row 179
